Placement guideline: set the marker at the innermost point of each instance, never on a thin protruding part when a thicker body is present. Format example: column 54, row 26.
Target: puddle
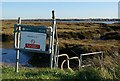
column 9, row 57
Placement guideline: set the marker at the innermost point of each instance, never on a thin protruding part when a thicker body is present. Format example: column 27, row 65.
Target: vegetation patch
column 111, row 35
column 7, row 38
column 78, row 37
column 86, row 74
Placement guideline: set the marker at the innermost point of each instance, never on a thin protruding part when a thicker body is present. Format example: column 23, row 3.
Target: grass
column 87, row 74
column 70, row 30
column 80, row 37
column 111, row 35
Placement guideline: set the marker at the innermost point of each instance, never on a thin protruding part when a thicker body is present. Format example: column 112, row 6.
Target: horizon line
column 57, row 18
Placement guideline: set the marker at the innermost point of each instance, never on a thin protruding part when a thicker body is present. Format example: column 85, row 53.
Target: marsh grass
column 70, row 30
column 80, row 37
column 86, row 74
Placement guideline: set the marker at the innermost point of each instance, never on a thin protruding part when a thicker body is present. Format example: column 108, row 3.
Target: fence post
column 53, row 33
column 18, row 45
column 80, row 61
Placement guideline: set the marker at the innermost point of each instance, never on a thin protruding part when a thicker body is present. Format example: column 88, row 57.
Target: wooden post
column 80, row 61
column 18, row 45
column 53, row 33
column 102, row 59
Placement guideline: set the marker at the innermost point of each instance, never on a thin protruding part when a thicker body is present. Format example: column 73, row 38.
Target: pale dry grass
column 90, row 42
column 8, row 25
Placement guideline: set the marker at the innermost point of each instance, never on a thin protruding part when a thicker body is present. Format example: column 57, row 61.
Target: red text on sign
column 35, row 46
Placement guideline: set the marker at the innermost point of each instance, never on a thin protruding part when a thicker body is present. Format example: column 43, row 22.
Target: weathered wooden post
column 18, row 46
column 53, row 33
column 80, row 61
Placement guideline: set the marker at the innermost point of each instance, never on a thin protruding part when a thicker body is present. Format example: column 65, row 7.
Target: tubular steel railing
column 80, row 59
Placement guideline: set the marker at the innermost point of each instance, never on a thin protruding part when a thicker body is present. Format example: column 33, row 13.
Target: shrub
column 7, row 38
column 111, row 35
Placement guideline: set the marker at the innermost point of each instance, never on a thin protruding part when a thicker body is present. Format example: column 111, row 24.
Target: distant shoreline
column 99, row 21
column 67, row 19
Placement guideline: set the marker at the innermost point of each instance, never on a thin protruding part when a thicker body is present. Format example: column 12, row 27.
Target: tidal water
column 9, row 57
column 105, row 22
column 74, row 21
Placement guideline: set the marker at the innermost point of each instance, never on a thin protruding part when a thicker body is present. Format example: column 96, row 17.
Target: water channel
column 9, row 57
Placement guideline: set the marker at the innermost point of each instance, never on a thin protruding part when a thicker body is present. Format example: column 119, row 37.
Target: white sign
column 33, row 41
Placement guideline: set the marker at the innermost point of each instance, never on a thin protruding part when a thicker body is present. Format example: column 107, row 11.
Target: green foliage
column 7, row 38
column 111, row 35
column 86, row 74
column 80, row 37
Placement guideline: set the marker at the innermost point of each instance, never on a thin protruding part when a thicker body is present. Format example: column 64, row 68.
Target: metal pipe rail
column 91, row 53
column 68, row 64
column 17, row 44
column 67, row 58
column 81, row 55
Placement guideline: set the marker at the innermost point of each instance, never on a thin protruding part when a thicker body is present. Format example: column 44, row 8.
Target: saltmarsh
column 80, row 37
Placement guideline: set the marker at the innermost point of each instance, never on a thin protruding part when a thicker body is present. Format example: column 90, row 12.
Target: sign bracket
column 24, row 33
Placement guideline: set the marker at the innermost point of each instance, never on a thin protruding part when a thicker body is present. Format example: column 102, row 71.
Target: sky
column 42, row 10
column 60, row 0
column 119, row 10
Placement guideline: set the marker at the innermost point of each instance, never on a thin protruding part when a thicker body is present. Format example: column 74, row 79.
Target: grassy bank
column 88, row 74
column 69, row 30
column 79, row 37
